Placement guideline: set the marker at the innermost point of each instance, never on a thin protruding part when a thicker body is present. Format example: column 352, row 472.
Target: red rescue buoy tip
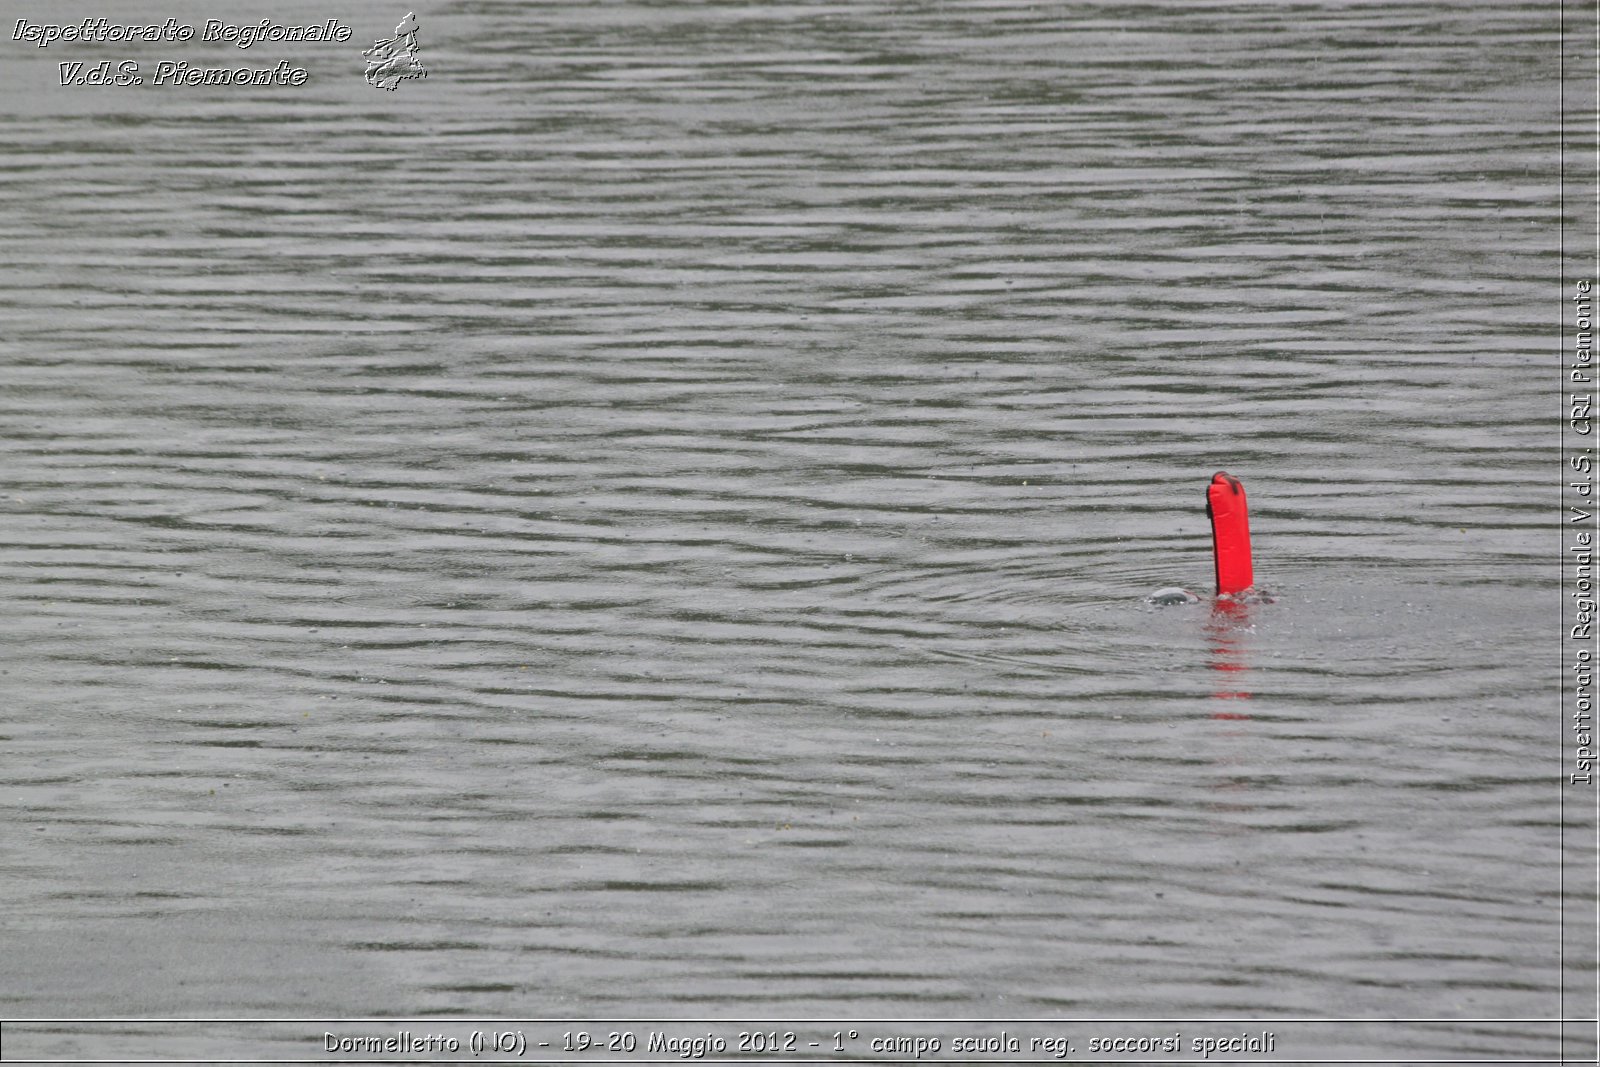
column 1230, row 533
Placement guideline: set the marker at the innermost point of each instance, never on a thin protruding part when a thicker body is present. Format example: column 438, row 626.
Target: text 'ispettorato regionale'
column 245, row 34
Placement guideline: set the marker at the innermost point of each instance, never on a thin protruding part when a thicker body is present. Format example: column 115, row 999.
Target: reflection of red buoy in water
column 1229, row 619
column 1230, row 533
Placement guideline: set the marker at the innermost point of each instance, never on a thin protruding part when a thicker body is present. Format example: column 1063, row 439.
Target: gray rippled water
column 652, row 518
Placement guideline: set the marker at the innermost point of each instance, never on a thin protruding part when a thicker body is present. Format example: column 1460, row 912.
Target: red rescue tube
column 1230, row 533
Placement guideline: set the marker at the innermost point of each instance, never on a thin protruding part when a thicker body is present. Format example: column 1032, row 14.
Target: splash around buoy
column 1171, row 595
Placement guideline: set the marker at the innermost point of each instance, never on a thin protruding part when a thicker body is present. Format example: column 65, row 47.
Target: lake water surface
column 651, row 521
